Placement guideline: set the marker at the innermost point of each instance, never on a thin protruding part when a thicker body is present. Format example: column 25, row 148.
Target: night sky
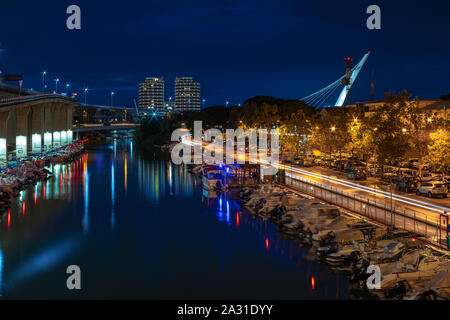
column 235, row 49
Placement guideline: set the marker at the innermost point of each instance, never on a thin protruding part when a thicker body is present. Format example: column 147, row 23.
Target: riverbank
column 409, row 269
column 19, row 175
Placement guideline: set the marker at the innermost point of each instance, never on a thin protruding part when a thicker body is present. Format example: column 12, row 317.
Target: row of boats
column 409, row 269
column 20, row 175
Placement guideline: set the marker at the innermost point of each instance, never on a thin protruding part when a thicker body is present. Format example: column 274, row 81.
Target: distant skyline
column 235, row 49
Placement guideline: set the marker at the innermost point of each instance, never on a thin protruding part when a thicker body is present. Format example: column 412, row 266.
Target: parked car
column 424, row 166
column 357, row 174
column 317, row 161
column 446, row 180
column 407, row 185
column 322, row 161
column 407, row 173
column 358, row 164
column 390, row 175
column 426, row 176
column 308, row 161
column 373, row 170
column 413, row 162
column 403, row 163
column 338, row 164
column 432, row 188
column 443, row 179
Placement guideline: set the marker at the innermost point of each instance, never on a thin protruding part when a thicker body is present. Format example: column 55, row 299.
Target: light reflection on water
column 150, row 225
column 1, row 272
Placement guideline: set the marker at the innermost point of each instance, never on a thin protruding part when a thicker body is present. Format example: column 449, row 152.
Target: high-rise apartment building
column 151, row 97
column 187, row 94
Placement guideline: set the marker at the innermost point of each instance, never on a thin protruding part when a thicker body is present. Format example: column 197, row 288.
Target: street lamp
column 67, row 88
column 43, row 80
column 112, row 95
column 332, row 130
column 390, row 186
column 56, row 85
column 85, row 93
column 226, row 103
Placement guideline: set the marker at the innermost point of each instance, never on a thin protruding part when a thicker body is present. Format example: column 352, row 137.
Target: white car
column 432, row 188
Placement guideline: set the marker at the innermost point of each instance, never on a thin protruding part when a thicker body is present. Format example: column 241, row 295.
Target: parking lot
column 405, row 178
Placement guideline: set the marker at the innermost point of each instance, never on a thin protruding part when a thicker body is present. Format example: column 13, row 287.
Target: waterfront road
column 376, row 183
column 412, row 208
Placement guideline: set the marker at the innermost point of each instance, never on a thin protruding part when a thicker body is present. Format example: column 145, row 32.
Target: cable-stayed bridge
column 344, row 84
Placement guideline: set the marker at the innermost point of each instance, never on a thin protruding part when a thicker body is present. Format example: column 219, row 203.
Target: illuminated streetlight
column 333, row 128
column 403, row 130
column 85, row 93
column 56, row 85
column 43, row 80
column 112, row 95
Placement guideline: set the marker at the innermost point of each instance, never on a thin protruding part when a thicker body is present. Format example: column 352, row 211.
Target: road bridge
column 102, row 127
column 34, row 124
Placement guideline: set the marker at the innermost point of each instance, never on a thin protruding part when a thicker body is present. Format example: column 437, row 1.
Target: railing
column 6, row 101
column 384, row 212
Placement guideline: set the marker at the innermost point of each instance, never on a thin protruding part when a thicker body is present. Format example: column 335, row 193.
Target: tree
column 361, row 139
column 215, row 116
column 295, row 133
column 439, row 150
column 330, row 131
column 263, row 111
column 445, row 97
column 417, row 122
column 391, row 128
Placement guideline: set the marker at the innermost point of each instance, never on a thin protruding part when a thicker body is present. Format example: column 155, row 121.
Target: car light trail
column 384, row 194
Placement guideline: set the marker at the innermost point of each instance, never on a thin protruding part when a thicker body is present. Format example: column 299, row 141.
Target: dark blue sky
column 235, row 49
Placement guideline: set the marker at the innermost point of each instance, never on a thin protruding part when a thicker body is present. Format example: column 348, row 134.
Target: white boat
column 212, row 177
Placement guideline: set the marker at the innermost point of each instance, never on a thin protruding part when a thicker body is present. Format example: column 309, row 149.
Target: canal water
column 141, row 227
